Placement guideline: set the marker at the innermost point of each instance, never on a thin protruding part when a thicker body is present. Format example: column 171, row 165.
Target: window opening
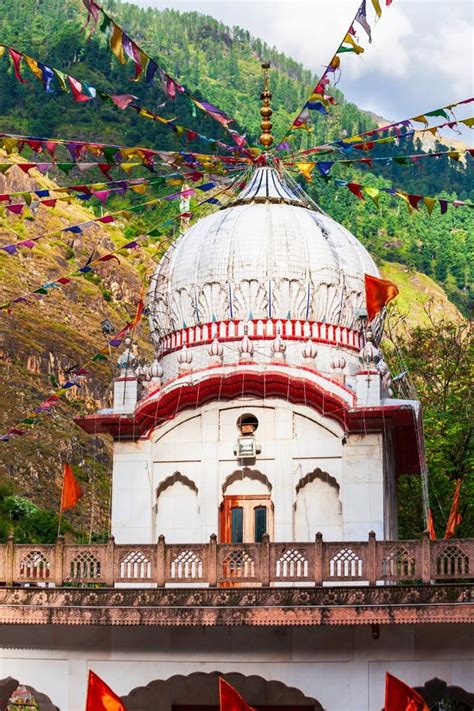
column 237, row 526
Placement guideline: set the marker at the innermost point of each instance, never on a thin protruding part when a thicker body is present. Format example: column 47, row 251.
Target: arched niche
column 178, row 516
column 439, row 695
column 181, row 693
column 317, row 507
column 246, row 481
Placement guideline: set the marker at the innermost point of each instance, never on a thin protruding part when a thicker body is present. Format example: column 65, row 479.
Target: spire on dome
column 266, row 138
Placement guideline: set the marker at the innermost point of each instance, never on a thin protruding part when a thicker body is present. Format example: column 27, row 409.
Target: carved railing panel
column 254, row 564
column 85, row 564
column 452, row 559
column 345, row 562
column 186, row 563
column 290, row 561
column 238, row 563
column 33, row 563
column 134, row 564
column 399, row 560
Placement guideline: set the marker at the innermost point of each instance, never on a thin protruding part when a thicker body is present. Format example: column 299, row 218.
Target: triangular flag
column 100, row 697
column 378, row 293
column 71, row 492
column 454, row 516
column 401, row 697
column 430, row 203
column 230, row 699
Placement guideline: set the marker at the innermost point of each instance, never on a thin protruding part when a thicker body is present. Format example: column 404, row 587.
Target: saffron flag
column 401, row 697
column 378, row 293
column 431, row 528
column 140, row 307
column 72, row 492
column 230, row 699
column 454, row 516
column 100, row 697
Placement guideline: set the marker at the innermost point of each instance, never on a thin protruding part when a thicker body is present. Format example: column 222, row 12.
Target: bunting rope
column 318, row 100
column 412, row 200
column 124, row 48
column 18, row 208
column 405, row 123
column 111, row 152
column 104, row 219
column 88, row 188
column 83, row 92
column 44, row 289
column 325, row 167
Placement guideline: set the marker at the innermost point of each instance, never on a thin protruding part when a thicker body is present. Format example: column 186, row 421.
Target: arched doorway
column 199, row 692
column 246, row 511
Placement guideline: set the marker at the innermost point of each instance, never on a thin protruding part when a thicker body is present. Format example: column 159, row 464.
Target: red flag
column 16, row 59
column 72, row 492
column 76, row 88
column 378, row 292
column 100, row 697
column 139, row 311
column 401, row 697
column 356, row 189
column 230, row 699
column 454, row 516
column 431, row 528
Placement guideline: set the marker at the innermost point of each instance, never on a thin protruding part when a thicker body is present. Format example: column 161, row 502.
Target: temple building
column 254, row 504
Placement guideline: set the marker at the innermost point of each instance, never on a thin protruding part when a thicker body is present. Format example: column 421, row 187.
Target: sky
column 421, row 56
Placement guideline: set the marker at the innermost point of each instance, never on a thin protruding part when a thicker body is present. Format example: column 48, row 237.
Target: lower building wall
column 341, row 667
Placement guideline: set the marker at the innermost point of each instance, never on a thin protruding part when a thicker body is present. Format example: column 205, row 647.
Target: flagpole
column 61, row 506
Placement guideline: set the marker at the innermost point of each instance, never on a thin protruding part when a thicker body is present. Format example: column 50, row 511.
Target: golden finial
column 266, row 138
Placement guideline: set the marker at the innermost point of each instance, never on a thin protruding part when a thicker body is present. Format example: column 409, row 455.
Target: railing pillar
column 160, row 562
column 9, row 560
column 372, row 559
column 58, row 573
column 318, row 559
column 426, row 557
column 212, row 561
column 265, row 561
column 109, row 562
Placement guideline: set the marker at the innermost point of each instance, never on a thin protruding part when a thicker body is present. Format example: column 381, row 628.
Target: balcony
column 370, row 582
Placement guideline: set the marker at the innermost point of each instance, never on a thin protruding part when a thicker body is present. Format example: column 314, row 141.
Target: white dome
column 266, row 255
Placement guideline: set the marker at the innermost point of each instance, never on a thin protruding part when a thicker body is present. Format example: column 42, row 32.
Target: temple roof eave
column 298, row 386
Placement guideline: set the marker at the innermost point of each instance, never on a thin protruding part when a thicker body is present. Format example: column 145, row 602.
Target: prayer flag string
column 83, row 93
column 378, row 133
column 125, row 48
column 412, row 201
column 318, row 100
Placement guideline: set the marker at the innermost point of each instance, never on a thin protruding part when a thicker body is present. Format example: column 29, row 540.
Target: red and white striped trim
column 263, row 330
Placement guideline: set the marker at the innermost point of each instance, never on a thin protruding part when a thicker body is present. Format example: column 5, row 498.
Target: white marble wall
column 342, row 667
column 199, row 446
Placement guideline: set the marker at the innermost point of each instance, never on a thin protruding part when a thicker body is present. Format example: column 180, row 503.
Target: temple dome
column 271, row 253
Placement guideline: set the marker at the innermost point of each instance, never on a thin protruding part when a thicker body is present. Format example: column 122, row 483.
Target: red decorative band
column 262, row 330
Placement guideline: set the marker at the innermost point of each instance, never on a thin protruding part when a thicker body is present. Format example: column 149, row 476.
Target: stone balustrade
column 246, row 564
